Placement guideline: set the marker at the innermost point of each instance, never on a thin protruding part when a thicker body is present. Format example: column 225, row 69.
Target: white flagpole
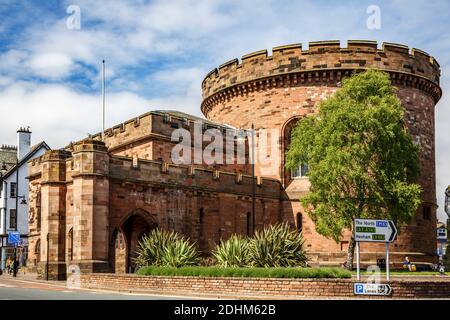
column 103, row 100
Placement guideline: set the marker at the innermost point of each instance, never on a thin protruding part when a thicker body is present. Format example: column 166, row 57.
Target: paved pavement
column 23, row 289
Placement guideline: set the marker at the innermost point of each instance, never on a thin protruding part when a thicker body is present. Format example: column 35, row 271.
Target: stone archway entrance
column 126, row 238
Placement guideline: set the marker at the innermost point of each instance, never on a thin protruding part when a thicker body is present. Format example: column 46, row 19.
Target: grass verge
column 305, row 273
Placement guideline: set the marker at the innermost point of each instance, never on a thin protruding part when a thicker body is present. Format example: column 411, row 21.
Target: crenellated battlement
column 323, row 60
column 154, row 124
column 89, row 145
column 137, row 126
column 50, row 166
column 168, row 174
column 8, row 147
column 49, row 156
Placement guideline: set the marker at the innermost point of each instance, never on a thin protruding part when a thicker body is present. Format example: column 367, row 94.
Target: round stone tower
column 274, row 92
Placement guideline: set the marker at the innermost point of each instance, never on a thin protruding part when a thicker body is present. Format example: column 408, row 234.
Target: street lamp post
column 447, row 201
column 46, row 263
column 447, row 210
column 17, row 215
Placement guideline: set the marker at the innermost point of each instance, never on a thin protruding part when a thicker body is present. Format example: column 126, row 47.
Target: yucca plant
column 151, row 249
column 233, row 252
column 277, row 246
column 180, row 253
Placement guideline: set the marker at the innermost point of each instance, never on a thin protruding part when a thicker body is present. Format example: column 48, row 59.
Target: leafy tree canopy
column 362, row 160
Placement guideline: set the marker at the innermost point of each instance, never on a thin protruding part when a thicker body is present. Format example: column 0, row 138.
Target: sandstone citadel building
column 90, row 202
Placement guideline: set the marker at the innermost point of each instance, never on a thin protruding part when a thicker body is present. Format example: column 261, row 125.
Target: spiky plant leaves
column 233, row 252
column 165, row 248
column 277, row 246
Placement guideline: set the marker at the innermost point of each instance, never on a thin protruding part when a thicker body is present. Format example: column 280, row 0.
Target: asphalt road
column 12, row 289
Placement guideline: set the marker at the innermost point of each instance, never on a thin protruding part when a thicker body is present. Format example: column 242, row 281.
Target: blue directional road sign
column 14, row 238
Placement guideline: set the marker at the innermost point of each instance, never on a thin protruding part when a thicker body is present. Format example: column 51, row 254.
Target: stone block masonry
column 259, row 287
column 95, row 207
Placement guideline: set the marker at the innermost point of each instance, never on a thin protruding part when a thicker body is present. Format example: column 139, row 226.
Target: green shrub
column 252, row 272
column 233, row 252
column 277, row 246
column 180, row 253
column 164, row 248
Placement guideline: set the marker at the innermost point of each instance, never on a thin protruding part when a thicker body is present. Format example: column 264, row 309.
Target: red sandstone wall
column 269, row 91
column 174, row 199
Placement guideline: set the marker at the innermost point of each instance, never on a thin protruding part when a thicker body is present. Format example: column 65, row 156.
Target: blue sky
column 158, row 51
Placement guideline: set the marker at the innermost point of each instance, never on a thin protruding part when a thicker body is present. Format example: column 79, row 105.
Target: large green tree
column 362, row 160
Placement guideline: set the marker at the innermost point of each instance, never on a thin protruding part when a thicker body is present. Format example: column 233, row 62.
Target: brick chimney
column 23, row 142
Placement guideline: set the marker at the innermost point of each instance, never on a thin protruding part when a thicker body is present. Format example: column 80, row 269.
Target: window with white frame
column 13, row 190
column 300, row 171
column 12, row 219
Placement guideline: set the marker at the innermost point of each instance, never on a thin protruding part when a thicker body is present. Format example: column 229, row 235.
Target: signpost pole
column 46, row 263
column 15, row 261
column 358, row 273
column 388, row 277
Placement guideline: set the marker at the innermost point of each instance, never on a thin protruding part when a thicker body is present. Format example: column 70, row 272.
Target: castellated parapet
column 325, row 60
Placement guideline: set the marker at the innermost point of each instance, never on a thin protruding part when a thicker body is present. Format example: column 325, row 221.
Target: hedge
column 291, row 272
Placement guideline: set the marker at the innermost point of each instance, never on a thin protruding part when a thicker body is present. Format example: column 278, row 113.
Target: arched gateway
column 126, row 237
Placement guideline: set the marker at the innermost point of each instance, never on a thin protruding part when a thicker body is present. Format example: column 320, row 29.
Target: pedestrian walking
column 8, row 265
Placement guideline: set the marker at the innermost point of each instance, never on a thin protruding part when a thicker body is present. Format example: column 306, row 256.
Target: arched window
column 301, row 170
column 249, row 224
column 299, row 222
column 201, row 218
column 70, row 245
column 426, row 212
column 38, row 210
column 37, row 250
column 120, row 241
column 170, row 223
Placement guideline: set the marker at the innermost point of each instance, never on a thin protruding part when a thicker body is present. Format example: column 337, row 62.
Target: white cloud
column 51, row 65
column 179, row 41
column 58, row 114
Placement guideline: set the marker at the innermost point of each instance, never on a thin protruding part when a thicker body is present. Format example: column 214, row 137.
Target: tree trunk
column 350, row 254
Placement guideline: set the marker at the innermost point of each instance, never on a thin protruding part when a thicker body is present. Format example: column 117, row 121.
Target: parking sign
column 14, row 238
column 372, row 289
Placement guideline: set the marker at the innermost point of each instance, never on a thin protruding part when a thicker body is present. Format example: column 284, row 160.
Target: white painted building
column 14, row 194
